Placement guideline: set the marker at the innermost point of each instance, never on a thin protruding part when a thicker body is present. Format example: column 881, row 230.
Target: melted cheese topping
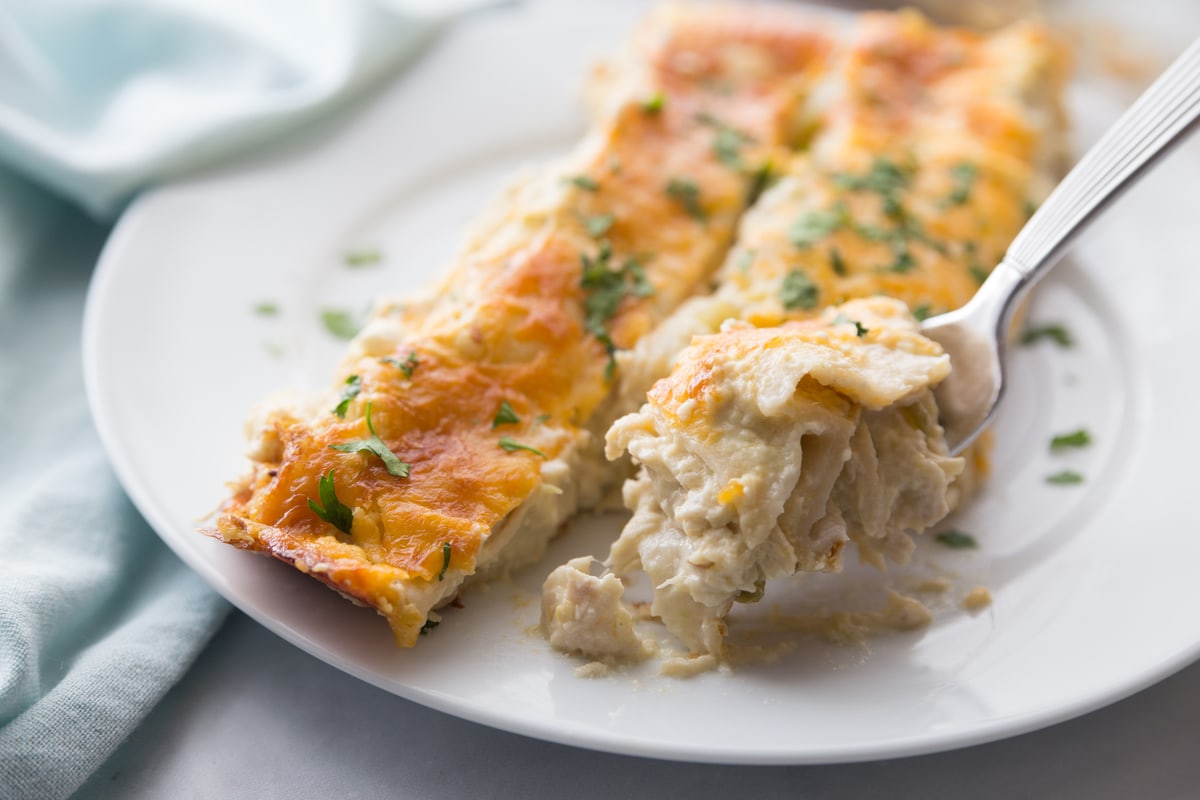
column 513, row 321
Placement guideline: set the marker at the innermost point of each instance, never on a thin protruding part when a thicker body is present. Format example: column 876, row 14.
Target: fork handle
column 1160, row 119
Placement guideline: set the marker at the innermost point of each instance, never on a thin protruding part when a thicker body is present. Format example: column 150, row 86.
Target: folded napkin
column 97, row 99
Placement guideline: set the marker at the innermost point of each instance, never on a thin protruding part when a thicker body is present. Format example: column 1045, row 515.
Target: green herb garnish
column 375, row 446
column 978, row 273
column 655, row 103
column 797, row 291
column 583, row 182
column 407, row 366
column 266, row 309
column 363, row 258
column 350, row 391
column 598, row 225
column 505, row 416
column 340, row 323
column 605, row 286
column 1065, row 478
column 331, row 509
column 957, row 540
column 921, row 313
column 685, row 192
column 429, row 625
column 446, row 550
column 510, row 446
column 860, row 330
column 541, row 419
column 728, row 142
column 1055, row 333
column 836, row 263
column 814, row 226
column 964, row 173
column 1079, row 438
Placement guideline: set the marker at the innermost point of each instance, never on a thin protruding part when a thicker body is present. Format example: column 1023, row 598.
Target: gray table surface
column 256, row 717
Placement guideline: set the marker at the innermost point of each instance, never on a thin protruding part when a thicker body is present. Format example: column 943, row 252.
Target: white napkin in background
column 99, row 98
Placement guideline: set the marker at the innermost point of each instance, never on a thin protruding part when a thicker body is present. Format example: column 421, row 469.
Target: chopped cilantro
column 510, row 446
column 957, row 540
column 921, row 312
column 583, row 182
column 598, row 225
column 759, row 181
column 1030, row 208
column 339, row 322
column 541, row 419
column 814, row 226
column 655, row 103
column 904, row 261
column 978, row 273
column 505, row 416
column 429, row 625
column 685, row 192
column 1067, row 477
column 860, row 330
column 884, row 177
column 363, row 258
column 604, row 288
column 797, row 291
column 266, row 309
column 728, row 142
column 446, row 550
column 407, row 366
column 373, row 445
column 836, row 263
column 1079, row 438
column 964, row 174
column 331, row 509
column 1055, row 333
column 350, row 391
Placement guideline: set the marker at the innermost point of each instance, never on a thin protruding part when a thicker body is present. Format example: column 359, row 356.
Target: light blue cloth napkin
column 99, row 98
column 97, row 617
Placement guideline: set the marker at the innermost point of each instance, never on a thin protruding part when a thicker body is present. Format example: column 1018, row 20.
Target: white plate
column 1093, row 585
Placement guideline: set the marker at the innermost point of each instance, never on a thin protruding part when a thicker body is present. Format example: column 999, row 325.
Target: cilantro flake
column 375, row 446
column 266, row 309
column 860, row 330
column 957, row 540
column 583, row 182
column 446, row 551
column 407, row 366
column 505, row 416
column 798, row 291
column 363, row 258
column 921, row 312
column 810, row 228
column 350, row 391
column 598, row 225
column 687, row 193
column 655, row 103
column 339, row 323
column 429, row 625
column 510, row 446
column 836, row 263
column 964, row 174
column 330, row 508
column 1068, row 477
column 1079, row 438
column 1055, row 333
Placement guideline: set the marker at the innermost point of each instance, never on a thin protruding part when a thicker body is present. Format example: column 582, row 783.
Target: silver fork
column 975, row 336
